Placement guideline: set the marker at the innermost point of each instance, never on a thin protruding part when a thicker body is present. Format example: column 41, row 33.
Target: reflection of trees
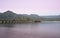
column 8, row 25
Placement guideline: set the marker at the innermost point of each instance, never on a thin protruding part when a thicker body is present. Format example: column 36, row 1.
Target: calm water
column 32, row 30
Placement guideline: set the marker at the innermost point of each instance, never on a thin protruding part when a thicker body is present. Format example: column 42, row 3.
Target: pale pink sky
column 40, row 7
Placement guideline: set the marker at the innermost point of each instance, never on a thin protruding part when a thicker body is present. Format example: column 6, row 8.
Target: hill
column 9, row 15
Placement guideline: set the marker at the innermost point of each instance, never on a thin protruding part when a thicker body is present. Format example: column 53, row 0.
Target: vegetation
column 10, row 17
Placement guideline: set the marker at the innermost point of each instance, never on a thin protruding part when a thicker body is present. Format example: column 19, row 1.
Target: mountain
column 54, row 16
column 51, row 18
column 11, row 15
column 7, row 15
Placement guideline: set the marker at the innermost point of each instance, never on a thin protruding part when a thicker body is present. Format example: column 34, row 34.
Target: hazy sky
column 40, row 7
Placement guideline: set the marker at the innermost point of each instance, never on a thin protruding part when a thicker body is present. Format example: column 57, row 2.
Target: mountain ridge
column 11, row 15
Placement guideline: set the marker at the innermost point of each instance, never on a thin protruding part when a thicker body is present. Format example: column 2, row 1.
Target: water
column 32, row 30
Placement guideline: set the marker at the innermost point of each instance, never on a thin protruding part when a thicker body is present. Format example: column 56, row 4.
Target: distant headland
column 10, row 17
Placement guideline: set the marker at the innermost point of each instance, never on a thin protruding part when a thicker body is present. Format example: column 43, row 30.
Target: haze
column 40, row 7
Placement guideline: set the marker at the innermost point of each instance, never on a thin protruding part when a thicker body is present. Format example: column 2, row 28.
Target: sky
column 40, row 7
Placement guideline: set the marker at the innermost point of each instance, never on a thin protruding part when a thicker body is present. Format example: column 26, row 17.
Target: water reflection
column 31, row 30
column 5, row 30
column 7, row 25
